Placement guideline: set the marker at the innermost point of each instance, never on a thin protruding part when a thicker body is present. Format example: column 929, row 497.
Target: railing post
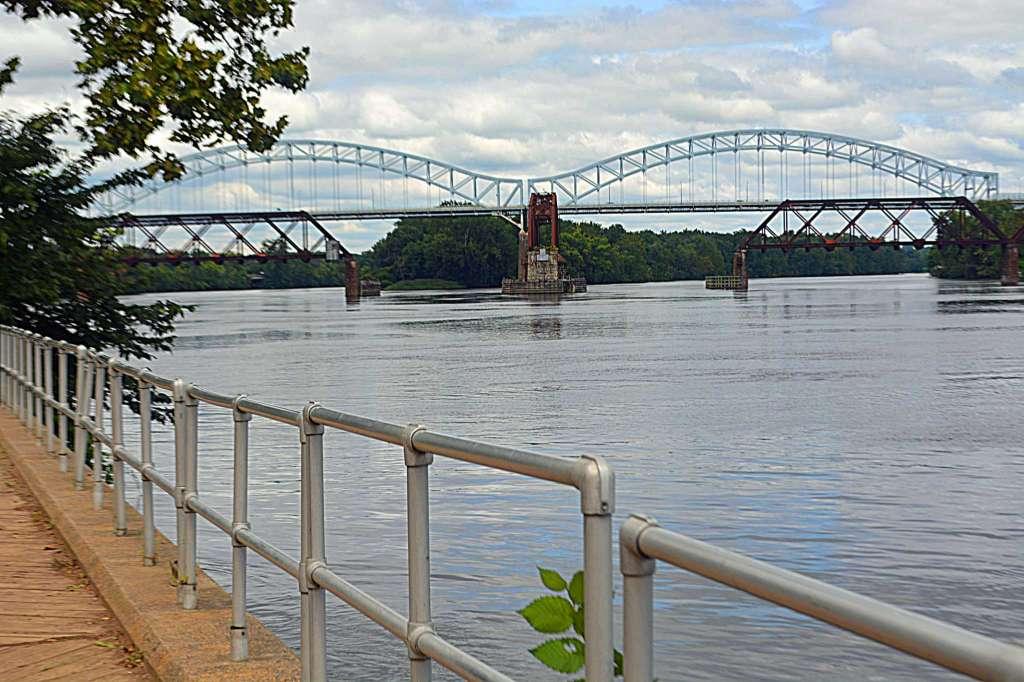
column 637, row 601
column 9, row 346
column 12, row 375
column 97, row 445
column 48, row 395
column 15, row 365
column 3, row 361
column 83, row 376
column 26, row 380
column 596, row 484
column 19, row 364
column 5, row 379
column 37, row 383
column 117, row 439
column 417, row 496
column 5, row 353
column 182, row 457
column 9, row 363
column 146, row 446
column 313, row 605
column 23, row 372
column 4, row 383
column 191, row 595
column 63, row 403
column 239, row 521
column 179, row 477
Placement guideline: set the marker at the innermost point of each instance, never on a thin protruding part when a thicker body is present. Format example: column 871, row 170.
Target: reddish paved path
column 52, row 624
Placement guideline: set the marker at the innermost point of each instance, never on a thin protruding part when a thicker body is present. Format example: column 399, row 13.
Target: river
column 862, row 430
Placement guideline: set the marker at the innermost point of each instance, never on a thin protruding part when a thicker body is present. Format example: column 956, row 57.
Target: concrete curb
column 177, row 644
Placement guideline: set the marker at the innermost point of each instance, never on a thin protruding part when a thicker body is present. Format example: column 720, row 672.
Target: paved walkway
column 52, row 624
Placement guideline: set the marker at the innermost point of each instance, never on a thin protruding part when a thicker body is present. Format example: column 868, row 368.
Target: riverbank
column 424, row 285
column 176, row 644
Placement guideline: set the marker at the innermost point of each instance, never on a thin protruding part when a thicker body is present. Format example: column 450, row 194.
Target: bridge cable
column 337, row 201
column 291, row 182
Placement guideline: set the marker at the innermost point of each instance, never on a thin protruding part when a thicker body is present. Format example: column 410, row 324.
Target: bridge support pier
column 739, row 269
column 351, row 280
column 1011, row 265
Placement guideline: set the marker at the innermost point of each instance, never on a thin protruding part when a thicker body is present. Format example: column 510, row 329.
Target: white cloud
column 862, row 46
column 533, row 95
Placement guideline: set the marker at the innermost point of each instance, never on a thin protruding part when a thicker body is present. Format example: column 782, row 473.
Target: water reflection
column 546, row 327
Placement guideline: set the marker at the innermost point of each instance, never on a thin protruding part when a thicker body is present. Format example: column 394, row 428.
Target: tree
column 194, row 69
column 58, row 276
column 974, row 262
column 478, row 252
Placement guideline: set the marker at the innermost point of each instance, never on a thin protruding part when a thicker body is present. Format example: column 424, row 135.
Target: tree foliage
column 193, row 69
column 557, row 614
column 476, row 252
column 479, row 252
column 57, row 275
column 210, row 276
column 974, row 262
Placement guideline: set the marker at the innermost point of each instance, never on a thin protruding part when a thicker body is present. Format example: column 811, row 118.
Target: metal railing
column 642, row 542
column 27, row 387
column 27, row 380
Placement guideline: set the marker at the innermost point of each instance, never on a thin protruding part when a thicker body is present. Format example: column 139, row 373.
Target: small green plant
column 555, row 614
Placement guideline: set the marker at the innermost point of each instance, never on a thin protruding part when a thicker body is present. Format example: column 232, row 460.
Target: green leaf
column 548, row 614
column 618, row 663
column 576, row 588
column 578, row 622
column 564, row 655
column 551, row 579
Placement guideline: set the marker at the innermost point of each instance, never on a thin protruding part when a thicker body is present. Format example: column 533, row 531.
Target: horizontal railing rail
column 642, row 542
column 40, row 394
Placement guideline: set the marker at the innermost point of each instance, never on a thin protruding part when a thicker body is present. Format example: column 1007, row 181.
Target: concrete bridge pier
column 1011, row 265
column 352, row 286
column 739, row 269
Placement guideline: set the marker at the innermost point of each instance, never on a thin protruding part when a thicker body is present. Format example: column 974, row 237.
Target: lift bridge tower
column 541, row 268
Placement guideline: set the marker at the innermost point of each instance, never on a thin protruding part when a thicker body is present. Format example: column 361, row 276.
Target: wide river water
column 866, row 431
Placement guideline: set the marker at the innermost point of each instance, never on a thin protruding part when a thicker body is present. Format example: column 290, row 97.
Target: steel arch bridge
column 460, row 184
column 931, row 175
column 646, row 178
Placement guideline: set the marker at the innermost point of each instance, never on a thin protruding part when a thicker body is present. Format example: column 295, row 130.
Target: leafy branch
column 557, row 614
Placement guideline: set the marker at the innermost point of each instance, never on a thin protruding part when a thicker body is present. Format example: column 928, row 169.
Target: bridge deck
column 52, row 623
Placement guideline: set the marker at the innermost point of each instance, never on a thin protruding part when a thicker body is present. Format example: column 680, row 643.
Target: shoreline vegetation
column 424, row 284
column 473, row 252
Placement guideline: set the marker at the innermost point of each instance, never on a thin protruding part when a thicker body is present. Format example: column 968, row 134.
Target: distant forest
column 976, row 263
column 479, row 252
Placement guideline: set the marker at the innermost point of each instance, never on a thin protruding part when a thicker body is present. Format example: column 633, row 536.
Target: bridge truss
column 831, row 224
column 228, row 237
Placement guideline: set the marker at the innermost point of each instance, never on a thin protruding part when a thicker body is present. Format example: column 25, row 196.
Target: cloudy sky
column 525, row 87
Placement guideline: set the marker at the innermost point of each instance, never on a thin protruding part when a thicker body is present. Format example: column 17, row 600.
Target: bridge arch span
column 818, row 153
column 456, row 183
column 928, row 174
